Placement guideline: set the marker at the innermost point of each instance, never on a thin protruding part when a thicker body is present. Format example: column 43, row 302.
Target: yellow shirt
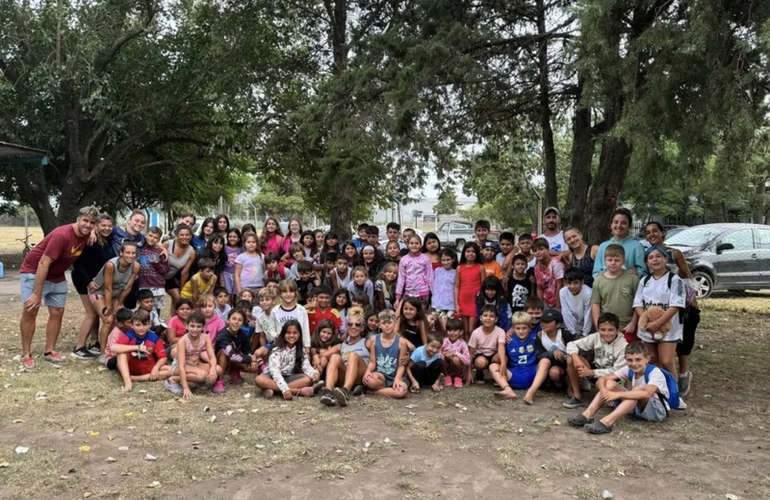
column 203, row 286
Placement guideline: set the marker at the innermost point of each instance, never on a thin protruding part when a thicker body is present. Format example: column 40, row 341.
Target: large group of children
column 304, row 314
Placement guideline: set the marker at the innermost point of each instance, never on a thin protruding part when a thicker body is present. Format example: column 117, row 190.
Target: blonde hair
column 287, row 285
column 267, row 293
column 205, row 299
column 521, row 318
column 356, row 311
column 387, row 315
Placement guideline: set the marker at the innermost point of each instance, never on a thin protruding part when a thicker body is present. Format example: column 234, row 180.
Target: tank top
column 585, row 264
column 119, row 279
column 177, row 263
column 412, row 333
column 358, row 348
column 671, row 264
column 343, row 282
column 387, row 358
column 190, row 351
column 553, row 345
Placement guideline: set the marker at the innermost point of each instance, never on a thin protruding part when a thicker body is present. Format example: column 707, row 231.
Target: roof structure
column 15, row 153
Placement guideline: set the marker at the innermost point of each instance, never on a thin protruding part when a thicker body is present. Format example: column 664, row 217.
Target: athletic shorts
column 522, row 376
column 112, row 363
column 479, row 355
column 54, row 294
column 654, row 411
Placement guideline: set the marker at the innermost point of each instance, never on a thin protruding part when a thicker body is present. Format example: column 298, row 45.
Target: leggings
column 426, row 375
column 691, row 320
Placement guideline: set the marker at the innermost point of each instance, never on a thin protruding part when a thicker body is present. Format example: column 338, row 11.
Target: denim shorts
column 54, row 294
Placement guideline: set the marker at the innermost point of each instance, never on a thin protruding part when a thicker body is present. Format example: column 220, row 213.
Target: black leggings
column 427, row 375
column 691, row 320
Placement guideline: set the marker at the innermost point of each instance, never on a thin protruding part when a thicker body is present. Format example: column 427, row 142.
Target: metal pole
column 26, row 225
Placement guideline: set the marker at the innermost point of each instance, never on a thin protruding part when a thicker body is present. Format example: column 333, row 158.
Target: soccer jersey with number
column 521, row 352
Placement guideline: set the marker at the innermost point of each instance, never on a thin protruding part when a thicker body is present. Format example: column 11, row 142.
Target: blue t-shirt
column 521, row 353
column 419, row 355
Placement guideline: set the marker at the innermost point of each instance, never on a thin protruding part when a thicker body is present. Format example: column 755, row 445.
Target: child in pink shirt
column 207, row 305
column 122, row 325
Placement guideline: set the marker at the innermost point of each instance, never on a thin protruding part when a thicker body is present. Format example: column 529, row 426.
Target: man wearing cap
column 43, row 282
column 553, row 232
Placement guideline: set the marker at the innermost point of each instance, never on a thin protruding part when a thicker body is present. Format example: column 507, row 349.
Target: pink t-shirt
column 179, row 327
column 213, row 325
column 487, row 344
column 273, row 244
column 547, row 280
column 114, row 336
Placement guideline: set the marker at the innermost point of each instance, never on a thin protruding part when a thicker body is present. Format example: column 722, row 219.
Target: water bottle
column 1, row 270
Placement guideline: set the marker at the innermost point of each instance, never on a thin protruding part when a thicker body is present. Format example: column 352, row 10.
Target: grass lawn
column 87, row 439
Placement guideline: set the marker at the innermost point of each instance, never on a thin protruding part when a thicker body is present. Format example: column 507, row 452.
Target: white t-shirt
column 556, row 242
column 657, row 293
column 281, row 316
column 656, row 378
column 576, row 311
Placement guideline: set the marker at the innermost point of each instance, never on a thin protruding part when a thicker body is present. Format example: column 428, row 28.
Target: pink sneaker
column 235, row 377
column 447, row 381
column 307, row 392
column 28, row 362
column 458, row 382
column 219, row 387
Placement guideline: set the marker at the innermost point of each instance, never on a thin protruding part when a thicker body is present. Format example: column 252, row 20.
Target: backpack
column 671, row 384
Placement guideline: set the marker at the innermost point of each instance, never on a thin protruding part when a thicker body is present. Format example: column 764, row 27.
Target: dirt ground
column 87, row 439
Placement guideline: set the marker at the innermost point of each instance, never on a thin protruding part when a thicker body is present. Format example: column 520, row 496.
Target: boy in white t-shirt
column 575, row 301
column 647, row 398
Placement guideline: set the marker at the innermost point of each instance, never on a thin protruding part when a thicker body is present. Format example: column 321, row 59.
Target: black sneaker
column 359, row 390
column 479, row 376
column 82, row 353
column 341, row 395
column 327, row 398
column 94, row 349
column 572, row 402
column 318, row 386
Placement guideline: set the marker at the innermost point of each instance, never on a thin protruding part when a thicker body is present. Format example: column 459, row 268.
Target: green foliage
column 447, row 203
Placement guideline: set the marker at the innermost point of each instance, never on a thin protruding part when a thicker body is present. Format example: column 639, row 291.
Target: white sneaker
column 682, row 405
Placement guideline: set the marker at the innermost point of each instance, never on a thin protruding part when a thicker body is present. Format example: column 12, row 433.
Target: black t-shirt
column 304, row 287
column 519, row 291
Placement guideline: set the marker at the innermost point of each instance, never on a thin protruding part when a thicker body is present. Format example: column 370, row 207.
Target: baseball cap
column 489, row 244
column 551, row 209
column 551, row 315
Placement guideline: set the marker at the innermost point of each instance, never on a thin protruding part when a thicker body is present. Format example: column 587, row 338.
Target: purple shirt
column 415, row 276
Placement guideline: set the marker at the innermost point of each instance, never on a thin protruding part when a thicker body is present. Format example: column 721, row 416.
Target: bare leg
column 573, row 377
column 174, row 294
column 53, row 327
column 27, row 327
column 506, row 392
column 123, row 370
column 355, row 371
column 543, row 366
column 334, row 371
column 667, row 357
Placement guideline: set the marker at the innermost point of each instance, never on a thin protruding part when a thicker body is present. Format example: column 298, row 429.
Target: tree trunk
column 583, row 146
column 549, row 152
column 613, row 167
column 340, row 207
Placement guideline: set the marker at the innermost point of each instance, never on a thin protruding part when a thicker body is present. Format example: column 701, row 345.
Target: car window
column 763, row 239
column 741, row 240
column 693, row 236
column 444, row 227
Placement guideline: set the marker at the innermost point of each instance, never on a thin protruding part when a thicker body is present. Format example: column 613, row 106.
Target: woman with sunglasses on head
column 348, row 366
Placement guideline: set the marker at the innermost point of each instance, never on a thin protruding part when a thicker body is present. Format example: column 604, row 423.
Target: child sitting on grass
column 122, row 325
column 647, row 399
column 288, row 367
column 607, row 349
column 425, row 366
column 233, row 351
column 487, row 343
column 188, row 365
column 455, row 354
column 388, row 356
column 141, row 353
column 551, row 344
column 519, row 367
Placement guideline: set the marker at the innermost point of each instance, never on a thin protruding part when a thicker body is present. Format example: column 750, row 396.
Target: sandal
column 579, row 420
column 597, row 428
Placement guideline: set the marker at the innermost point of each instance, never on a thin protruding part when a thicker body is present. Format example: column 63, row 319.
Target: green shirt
column 616, row 295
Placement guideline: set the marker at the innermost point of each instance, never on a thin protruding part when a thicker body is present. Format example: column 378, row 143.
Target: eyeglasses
column 354, row 324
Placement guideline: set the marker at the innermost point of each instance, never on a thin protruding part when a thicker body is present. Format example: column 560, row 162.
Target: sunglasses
column 354, row 324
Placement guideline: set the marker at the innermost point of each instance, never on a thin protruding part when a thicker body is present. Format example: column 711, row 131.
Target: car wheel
column 705, row 284
column 459, row 244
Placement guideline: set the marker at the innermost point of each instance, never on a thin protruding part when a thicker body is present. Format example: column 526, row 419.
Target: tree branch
column 126, row 37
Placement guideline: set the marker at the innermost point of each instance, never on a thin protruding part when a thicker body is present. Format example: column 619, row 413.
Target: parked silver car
column 732, row 257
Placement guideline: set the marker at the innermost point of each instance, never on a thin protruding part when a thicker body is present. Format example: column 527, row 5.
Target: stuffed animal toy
column 653, row 314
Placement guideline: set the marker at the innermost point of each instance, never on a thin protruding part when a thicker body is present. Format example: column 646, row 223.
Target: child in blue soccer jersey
column 520, row 369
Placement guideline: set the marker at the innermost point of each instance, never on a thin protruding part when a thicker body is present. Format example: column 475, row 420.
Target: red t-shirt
column 63, row 246
column 314, row 316
column 141, row 363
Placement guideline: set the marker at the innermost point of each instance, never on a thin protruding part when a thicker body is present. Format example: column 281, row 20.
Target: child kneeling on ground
column 288, row 366
column 647, row 399
column 520, row 368
column 141, row 353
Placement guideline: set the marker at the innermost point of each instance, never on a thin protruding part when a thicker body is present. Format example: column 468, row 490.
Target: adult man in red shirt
column 43, row 282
